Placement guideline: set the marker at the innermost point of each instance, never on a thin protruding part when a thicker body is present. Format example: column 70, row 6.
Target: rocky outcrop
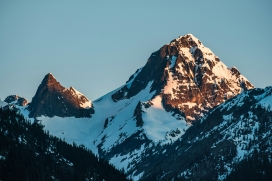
column 17, row 100
column 138, row 115
column 52, row 99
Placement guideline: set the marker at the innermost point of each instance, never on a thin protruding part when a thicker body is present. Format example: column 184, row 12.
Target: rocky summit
column 188, row 77
column 52, row 99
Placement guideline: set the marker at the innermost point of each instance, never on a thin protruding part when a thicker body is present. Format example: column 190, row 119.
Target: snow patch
column 157, row 122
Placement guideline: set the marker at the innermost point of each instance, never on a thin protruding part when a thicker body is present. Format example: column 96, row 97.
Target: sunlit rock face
column 188, row 76
column 52, row 99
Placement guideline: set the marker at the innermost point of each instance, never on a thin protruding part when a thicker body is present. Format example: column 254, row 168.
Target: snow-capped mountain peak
column 189, row 77
column 179, row 84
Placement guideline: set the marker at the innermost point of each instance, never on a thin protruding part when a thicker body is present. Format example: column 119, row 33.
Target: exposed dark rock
column 20, row 101
column 152, row 71
column 52, row 99
column 106, row 123
column 119, row 95
column 138, row 115
column 235, row 71
column 129, row 145
column 198, row 55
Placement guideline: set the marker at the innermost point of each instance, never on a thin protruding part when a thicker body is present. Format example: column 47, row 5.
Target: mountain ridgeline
column 184, row 115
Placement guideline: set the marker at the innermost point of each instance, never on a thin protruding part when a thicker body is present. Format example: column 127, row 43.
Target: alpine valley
column 183, row 116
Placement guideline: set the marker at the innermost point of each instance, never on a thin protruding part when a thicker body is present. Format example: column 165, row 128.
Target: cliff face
column 52, row 99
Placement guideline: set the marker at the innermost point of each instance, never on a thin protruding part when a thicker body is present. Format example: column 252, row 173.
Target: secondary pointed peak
column 52, row 99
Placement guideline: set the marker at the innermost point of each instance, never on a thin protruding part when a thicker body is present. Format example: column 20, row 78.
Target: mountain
column 134, row 126
column 232, row 135
column 180, row 84
column 17, row 100
column 187, row 76
column 29, row 153
column 52, row 99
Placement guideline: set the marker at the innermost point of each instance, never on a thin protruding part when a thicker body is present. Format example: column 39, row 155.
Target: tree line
column 28, row 153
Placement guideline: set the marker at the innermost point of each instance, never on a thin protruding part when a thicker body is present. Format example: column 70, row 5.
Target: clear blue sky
column 95, row 46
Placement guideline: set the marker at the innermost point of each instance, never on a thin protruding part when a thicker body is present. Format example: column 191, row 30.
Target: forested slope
column 29, row 153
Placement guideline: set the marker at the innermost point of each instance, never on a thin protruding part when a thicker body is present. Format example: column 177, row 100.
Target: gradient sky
column 95, row 46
